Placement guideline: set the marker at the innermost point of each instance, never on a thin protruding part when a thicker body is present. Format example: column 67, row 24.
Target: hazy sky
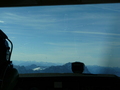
column 87, row 33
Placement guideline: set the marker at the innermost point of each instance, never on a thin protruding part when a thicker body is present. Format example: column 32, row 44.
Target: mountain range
column 64, row 68
column 27, row 63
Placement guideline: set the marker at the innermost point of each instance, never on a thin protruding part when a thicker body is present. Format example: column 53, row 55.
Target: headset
column 8, row 74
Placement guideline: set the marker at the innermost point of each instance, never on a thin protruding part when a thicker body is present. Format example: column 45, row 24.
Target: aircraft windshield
column 48, row 38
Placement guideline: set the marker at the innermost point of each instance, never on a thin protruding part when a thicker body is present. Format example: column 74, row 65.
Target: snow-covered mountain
column 38, row 68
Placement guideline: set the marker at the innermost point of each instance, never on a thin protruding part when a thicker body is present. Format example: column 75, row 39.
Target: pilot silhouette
column 8, row 74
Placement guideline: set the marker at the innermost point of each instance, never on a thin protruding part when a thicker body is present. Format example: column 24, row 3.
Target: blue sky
column 61, row 34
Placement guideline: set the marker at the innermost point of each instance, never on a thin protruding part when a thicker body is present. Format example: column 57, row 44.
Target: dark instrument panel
column 68, row 82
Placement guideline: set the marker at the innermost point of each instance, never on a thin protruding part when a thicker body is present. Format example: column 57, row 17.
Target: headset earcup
column 10, row 79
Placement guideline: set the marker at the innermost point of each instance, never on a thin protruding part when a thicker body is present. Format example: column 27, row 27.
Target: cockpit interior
column 59, row 45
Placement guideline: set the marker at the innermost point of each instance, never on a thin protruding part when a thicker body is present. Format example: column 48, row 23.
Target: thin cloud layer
column 96, row 33
column 88, row 33
column 2, row 21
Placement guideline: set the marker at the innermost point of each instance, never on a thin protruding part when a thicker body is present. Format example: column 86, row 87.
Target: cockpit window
column 47, row 39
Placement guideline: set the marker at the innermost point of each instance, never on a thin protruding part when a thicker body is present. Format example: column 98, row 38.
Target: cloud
column 36, row 21
column 110, row 7
column 29, row 18
column 44, row 19
column 62, row 44
column 2, row 21
column 96, row 33
column 114, row 43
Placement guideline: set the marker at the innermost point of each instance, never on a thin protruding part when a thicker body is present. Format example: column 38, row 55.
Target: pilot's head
column 4, row 50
